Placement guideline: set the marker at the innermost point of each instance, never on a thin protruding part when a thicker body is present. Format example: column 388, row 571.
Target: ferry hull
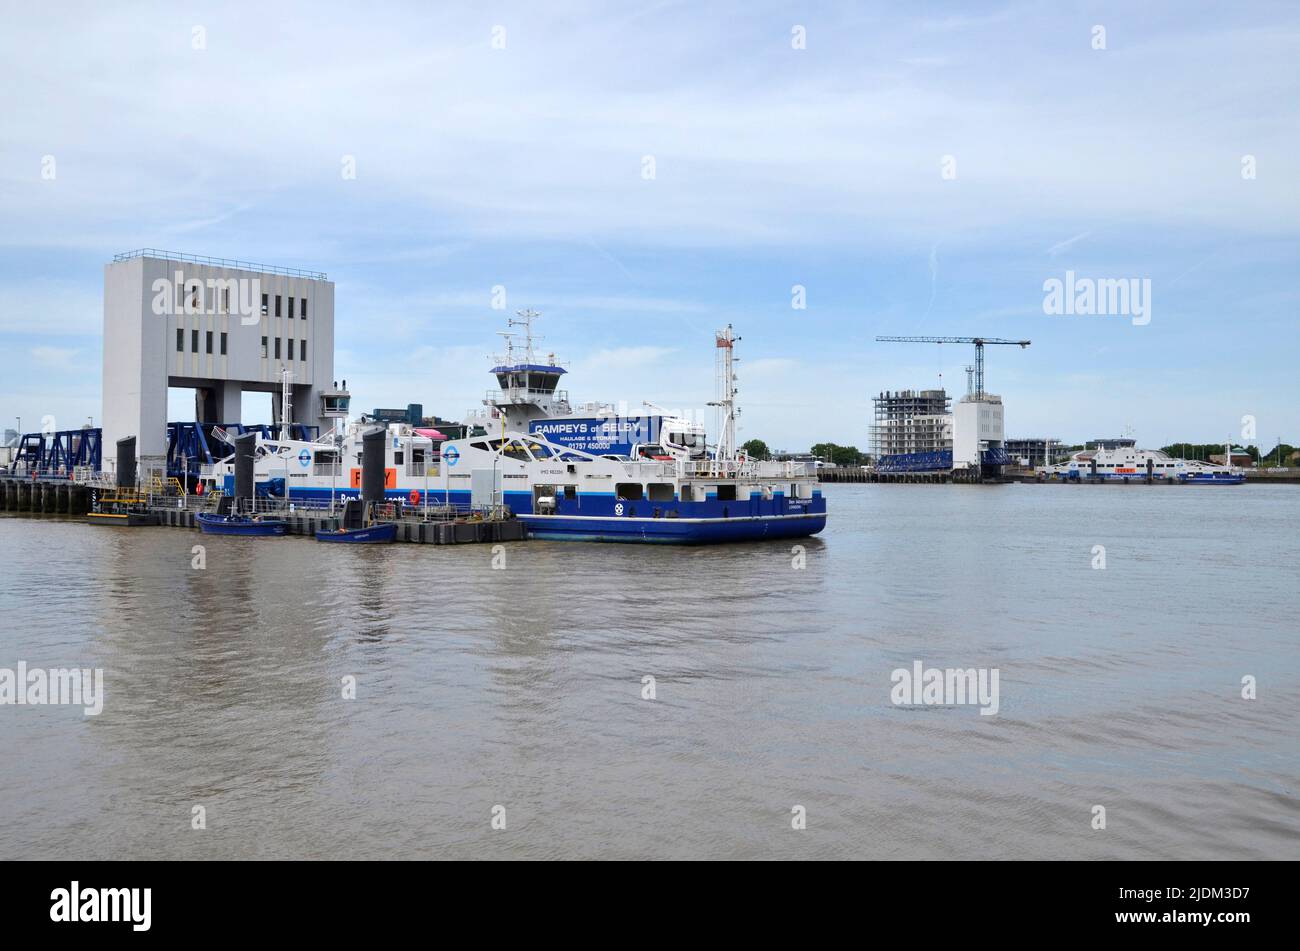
column 372, row 535
column 1216, row 479
column 672, row 531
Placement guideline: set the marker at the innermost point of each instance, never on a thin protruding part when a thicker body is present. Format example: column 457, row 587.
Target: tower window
column 264, row 299
column 290, row 308
column 194, row 341
column 277, row 305
column 223, row 343
column 302, row 350
column 277, row 345
column 304, row 308
column 263, row 348
column 291, row 342
column 180, row 340
column 208, row 342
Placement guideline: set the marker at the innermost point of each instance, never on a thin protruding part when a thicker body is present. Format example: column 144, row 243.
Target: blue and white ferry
column 1130, row 464
column 593, row 474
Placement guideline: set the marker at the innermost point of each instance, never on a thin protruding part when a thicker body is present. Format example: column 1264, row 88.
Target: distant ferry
column 589, row 475
column 1129, row 464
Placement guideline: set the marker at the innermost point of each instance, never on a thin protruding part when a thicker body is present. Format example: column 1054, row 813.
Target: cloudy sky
column 918, row 168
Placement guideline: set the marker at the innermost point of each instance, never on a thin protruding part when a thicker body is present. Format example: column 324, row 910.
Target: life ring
column 415, row 496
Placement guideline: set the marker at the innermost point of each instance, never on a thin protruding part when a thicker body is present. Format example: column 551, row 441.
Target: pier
column 44, row 497
column 435, row 525
column 950, row 476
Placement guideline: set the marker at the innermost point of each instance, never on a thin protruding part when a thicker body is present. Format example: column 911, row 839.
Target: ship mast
column 726, row 383
column 285, row 405
column 526, row 318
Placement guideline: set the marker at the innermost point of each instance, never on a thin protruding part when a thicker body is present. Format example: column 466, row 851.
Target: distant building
column 1034, row 451
column 908, row 421
column 979, row 432
column 412, row 415
column 1240, row 458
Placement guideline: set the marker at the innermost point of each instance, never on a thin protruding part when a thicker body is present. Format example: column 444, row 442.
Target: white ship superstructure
column 1130, row 464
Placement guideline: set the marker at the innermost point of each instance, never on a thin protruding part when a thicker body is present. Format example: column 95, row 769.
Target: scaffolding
column 911, row 421
column 1035, row 450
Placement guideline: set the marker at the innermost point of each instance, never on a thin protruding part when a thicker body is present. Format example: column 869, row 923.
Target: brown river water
column 522, row 687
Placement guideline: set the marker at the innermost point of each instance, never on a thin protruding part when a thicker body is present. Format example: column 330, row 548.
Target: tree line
column 828, row 451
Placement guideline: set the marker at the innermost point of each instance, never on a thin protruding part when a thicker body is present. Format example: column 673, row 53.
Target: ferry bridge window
column 570, row 491
column 661, row 491
column 540, row 451
column 688, row 493
column 726, row 493
column 628, row 491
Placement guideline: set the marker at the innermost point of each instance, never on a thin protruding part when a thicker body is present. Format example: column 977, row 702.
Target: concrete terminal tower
column 221, row 327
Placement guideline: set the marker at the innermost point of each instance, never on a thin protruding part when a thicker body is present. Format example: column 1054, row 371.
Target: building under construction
column 919, row 431
column 1035, row 451
column 911, row 421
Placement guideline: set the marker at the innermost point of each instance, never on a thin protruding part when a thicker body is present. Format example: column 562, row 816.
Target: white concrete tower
column 220, row 327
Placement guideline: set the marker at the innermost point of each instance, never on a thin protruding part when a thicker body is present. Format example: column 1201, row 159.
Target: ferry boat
column 250, row 526
column 1130, row 464
column 588, row 474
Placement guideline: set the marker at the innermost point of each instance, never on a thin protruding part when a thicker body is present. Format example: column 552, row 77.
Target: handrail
column 219, row 262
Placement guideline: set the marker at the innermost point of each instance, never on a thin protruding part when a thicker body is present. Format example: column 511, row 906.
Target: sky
column 644, row 173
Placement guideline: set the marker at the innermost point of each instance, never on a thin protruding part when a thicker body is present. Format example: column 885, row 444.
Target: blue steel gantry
column 56, row 454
